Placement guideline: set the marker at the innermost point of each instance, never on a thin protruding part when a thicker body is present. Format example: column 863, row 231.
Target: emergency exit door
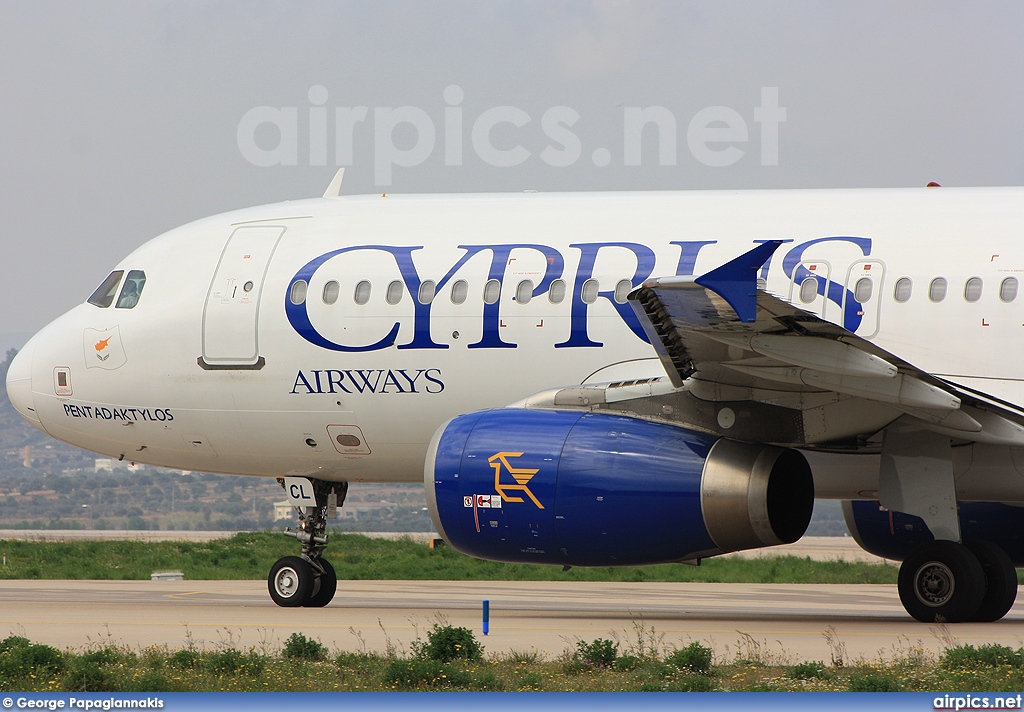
column 863, row 297
column 231, row 316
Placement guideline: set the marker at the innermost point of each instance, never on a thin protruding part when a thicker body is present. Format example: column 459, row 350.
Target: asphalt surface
column 783, row 622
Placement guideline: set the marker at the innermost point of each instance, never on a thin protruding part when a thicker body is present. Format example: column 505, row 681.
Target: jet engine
column 893, row 535
column 591, row 489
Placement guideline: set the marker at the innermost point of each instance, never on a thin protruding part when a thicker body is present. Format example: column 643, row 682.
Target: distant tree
column 11, row 353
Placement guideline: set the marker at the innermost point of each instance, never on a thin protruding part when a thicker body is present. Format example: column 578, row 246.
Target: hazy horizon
column 126, row 119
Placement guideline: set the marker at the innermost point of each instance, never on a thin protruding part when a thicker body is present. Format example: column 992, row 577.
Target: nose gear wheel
column 308, row 580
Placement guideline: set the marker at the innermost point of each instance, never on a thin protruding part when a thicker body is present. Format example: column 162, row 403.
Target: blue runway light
column 487, row 616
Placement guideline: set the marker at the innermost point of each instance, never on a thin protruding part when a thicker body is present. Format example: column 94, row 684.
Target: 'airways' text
column 400, row 380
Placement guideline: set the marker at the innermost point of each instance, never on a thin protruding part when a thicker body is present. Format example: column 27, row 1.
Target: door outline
column 235, row 362
column 875, row 301
column 818, row 307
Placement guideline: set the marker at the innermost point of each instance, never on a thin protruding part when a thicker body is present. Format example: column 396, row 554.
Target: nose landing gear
column 309, row 580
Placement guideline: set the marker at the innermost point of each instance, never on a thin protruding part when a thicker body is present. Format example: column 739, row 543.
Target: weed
column 20, row 658
column 523, row 657
column 229, row 661
column 645, row 642
column 873, row 682
column 835, row 646
column 88, row 675
column 419, row 672
column 185, row 659
column 531, row 681
column 600, row 653
column 413, row 673
column 302, row 648
column 390, row 651
column 813, row 670
column 944, row 635
column 625, row 663
column 691, row 683
column 693, row 658
column 991, row 654
column 446, row 643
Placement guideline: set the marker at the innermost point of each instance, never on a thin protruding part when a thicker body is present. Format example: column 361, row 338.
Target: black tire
column 328, row 586
column 941, row 581
column 1001, row 580
column 290, row 581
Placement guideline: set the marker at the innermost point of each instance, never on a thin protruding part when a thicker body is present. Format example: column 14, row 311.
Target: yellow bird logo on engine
column 522, row 476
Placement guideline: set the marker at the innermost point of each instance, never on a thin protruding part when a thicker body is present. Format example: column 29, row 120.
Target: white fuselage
column 226, row 365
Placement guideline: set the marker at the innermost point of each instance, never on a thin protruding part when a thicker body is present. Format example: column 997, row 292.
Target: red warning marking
column 501, row 323
column 993, row 258
column 983, row 322
column 541, row 323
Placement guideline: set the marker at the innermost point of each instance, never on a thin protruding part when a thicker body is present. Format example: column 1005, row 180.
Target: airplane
column 582, row 379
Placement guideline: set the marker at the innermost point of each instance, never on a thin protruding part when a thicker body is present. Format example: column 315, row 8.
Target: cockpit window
column 132, row 289
column 103, row 297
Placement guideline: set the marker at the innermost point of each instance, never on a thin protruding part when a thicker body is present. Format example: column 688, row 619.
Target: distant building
column 351, row 510
column 283, row 510
column 109, row 464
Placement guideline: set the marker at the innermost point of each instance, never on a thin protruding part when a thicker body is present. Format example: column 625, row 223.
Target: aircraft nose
column 19, row 385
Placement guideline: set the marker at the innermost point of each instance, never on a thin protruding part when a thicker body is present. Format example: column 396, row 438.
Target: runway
column 783, row 622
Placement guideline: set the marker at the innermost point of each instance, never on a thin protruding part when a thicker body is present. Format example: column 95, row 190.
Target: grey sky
column 119, row 120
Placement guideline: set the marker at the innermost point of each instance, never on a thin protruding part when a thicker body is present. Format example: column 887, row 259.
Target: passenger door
column 231, row 314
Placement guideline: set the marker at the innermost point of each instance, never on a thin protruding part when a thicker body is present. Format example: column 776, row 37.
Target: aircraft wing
column 725, row 340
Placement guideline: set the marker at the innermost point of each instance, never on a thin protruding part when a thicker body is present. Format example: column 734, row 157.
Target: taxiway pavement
column 785, row 622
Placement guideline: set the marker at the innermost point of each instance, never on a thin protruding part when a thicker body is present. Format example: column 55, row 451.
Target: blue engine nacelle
column 591, row 489
column 893, row 535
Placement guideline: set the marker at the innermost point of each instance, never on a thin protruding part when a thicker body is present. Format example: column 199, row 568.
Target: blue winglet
column 736, row 281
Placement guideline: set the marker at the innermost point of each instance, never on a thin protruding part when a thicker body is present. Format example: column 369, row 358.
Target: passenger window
column 862, row 290
column 298, row 293
column 362, row 293
column 590, row 289
column 426, row 292
column 937, row 289
column 972, row 290
column 103, row 297
column 1008, row 289
column 524, row 292
column 132, row 289
column 622, row 290
column 395, row 291
column 492, row 290
column 331, row 291
column 904, row 287
column 808, row 290
column 556, row 292
column 460, row 290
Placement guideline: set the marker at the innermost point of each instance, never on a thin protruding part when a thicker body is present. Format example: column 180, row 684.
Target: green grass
column 644, row 665
column 250, row 556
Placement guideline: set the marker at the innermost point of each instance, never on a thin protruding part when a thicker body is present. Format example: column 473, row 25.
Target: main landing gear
column 309, row 579
column 943, row 581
